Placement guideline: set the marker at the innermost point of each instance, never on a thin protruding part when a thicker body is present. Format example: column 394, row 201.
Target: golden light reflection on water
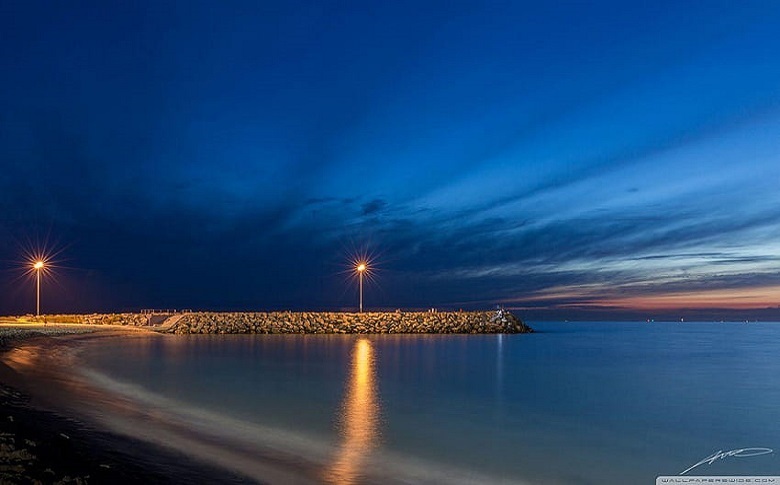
column 359, row 419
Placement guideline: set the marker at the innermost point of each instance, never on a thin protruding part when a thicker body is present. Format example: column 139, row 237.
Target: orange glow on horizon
column 736, row 299
column 599, row 297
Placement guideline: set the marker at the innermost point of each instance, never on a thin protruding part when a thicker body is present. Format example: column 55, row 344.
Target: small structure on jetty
column 155, row 316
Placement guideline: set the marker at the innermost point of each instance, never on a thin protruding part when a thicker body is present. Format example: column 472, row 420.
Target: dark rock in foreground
column 500, row 321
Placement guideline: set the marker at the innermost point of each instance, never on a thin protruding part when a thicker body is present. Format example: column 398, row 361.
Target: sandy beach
column 43, row 441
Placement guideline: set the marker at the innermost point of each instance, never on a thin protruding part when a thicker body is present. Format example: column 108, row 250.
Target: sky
column 567, row 160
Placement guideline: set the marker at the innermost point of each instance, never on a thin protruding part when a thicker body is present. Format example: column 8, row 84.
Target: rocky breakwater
column 500, row 321
column 133, row 319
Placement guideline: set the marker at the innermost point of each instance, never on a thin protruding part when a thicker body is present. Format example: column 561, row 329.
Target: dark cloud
column 373, row 206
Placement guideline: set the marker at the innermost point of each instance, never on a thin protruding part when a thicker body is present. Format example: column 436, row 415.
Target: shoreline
column 82, row 420
column 40, row 439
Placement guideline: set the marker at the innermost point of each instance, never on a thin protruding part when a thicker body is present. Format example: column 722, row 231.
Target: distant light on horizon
column 38, row 264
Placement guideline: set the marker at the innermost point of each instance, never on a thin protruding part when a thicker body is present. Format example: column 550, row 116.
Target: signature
column 738, row 453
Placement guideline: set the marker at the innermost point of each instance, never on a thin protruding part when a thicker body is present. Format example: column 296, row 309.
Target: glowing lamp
column 38, row 267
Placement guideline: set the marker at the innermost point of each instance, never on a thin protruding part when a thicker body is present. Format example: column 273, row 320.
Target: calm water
column 575, row 403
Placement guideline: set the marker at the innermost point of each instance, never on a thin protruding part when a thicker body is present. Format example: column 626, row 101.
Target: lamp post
column 361, row 268
column 38, row 266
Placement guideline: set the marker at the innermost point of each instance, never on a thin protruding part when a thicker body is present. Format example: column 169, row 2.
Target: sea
column 572, row 403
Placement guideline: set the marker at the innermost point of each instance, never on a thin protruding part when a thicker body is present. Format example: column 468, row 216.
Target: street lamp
column 38, row 266
column 361, row 268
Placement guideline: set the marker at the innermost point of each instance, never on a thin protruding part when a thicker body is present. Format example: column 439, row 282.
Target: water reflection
column 22, row 358
column 359, row 418
column 500, row 366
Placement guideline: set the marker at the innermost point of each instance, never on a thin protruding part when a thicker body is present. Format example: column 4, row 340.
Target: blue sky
column 570, row 160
